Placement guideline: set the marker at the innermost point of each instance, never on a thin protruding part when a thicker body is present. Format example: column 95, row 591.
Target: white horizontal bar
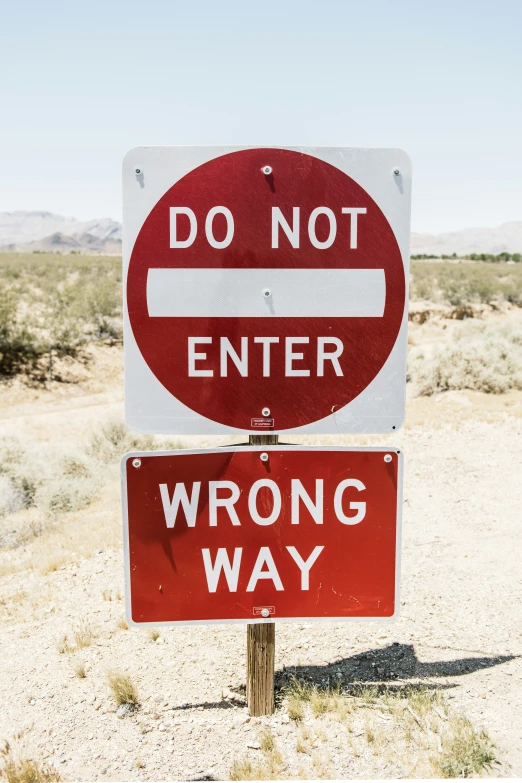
column 241, row 293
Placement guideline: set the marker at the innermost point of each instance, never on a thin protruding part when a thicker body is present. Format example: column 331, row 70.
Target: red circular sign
column 240, row 182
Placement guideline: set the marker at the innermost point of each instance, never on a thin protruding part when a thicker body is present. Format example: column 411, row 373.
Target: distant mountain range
column 506, row 238
column 44, row 231
column 47, row 232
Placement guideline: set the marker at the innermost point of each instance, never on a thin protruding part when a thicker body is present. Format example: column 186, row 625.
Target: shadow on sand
column 381, row 666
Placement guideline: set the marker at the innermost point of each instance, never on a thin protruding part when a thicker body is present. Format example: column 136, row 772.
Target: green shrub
column 19, row 347
column 59, row 301
column 465, row 283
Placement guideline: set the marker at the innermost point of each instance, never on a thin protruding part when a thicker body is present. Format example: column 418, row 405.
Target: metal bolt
column 138, row 171
column 396, row 172
column 263, row 457
column 267, row 293
column 136, row 463
column 266, row 411
column 265, row 612
column 387, row 457
column 267, row 170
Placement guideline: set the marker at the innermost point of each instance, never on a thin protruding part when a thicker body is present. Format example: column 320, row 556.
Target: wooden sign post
column 261, row 643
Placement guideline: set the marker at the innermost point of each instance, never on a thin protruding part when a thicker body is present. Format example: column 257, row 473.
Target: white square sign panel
column 265, row 289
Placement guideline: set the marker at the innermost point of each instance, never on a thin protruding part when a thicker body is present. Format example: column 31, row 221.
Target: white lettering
column 305, row 565
column 266, row 341
column 222, row 562
column 298, row 492
column 331, row 356
column 290, row 357
column 209, row 230
column 278, row 219
column 360, row 508
column 264, row 558
column 190, row 507
column 353, row 212
column 276, row 503
column 214, row 502
column 241, row 362
column 311, row 227
column 174, row 241
column 193, row 357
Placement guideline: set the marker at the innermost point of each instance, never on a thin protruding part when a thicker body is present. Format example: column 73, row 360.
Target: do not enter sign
column 253, row 534
column 265, row 289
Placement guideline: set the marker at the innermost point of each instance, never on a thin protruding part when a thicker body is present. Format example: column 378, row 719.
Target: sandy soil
column 460, row 625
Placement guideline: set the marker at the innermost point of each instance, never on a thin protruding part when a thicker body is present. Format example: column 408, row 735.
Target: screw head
column 266, row 411
column 138, row 171
column 387, row 457
column 263, row 457
column 267, row 293
column 265, row 613
column 396, row 172
column 136, row 463
column 267, row 170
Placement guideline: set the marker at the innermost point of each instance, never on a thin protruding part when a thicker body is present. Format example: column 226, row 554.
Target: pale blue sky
column 84, row 81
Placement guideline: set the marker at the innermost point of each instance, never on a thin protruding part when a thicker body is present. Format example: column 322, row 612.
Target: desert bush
column 481, row 357
column 114, row 438
column 11, row 497
column 61, row 478
column 53, row 478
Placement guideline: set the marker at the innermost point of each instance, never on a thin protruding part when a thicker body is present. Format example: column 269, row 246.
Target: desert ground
column 435, row 693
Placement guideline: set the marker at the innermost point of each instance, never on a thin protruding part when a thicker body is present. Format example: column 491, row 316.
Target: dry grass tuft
column 248, row 770
column 122, row 688
column 298, row 694
column 304, row 740
column 320, row 767
column 295, row 695
column 23, row 770
column 266, row 740
column 369, row 734
column 63, row 645
column 154, row 634
column 79, row 670
column 295, row 707
column 466, row 751
column 83, row 636
column 269, row 768
column 11, row 604
column 123, row 624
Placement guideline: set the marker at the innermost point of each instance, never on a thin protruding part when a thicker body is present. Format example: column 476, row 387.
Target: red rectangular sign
column 256, row 534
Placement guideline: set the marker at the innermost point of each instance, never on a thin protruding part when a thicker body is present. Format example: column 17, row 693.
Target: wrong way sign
column 256, row 534
column 265, row 289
